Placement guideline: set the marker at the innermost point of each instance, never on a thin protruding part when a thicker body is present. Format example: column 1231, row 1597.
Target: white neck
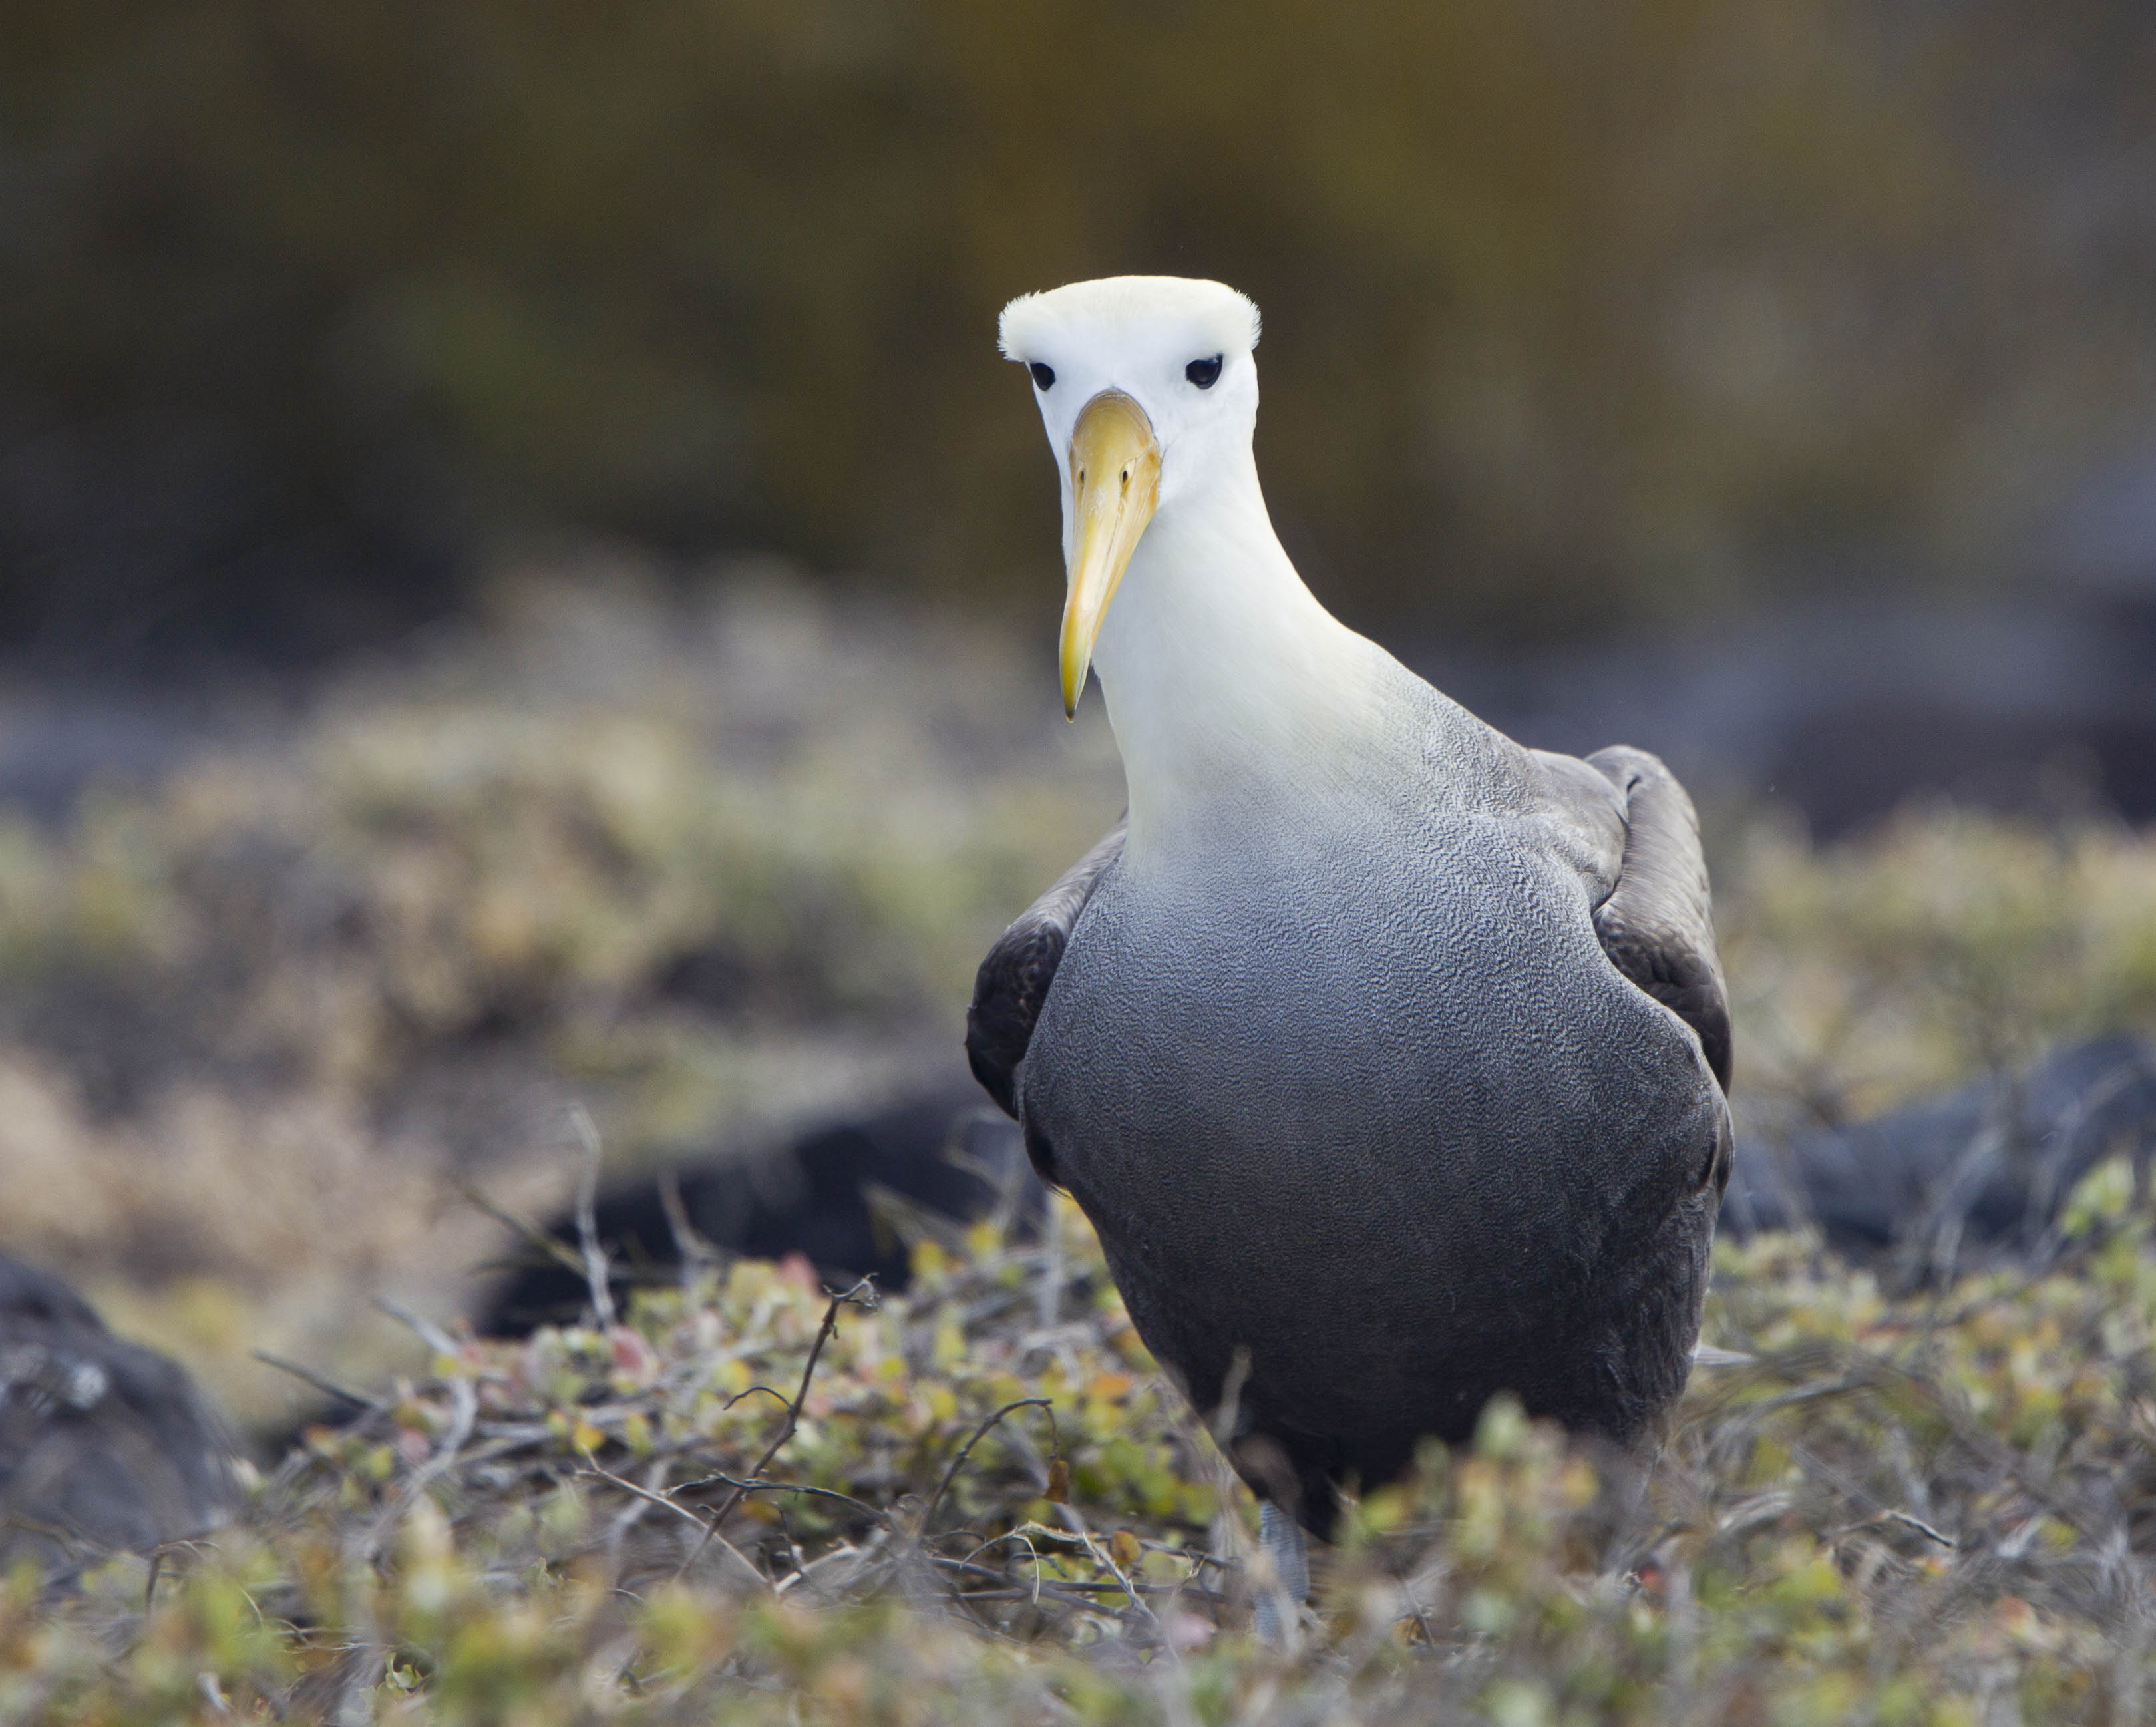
column 1232, row 691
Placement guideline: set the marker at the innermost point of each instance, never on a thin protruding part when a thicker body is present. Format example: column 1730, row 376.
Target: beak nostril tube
column 1113, row 431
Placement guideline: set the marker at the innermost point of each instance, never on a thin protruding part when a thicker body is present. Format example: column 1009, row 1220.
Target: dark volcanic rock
column 103, row 1444
column 1980, row 1172
column 1978, row 1175
column 2040, row 704
column 830, row 1196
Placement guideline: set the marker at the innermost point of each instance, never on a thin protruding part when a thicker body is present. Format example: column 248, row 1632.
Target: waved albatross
column 1387, row 1056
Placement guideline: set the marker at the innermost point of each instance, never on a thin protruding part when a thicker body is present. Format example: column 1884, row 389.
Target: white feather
column 1238, row 702
column 1220, row 319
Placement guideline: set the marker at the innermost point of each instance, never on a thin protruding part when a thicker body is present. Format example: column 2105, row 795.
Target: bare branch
column 588, row 1225
column 785, row 1487
column 966, row 1450
column 308, row 1375
column 547, row 1247
column 861, row 1295
column 694, row 1246
column 426, row 1330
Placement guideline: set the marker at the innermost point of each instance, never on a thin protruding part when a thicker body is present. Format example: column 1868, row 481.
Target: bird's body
column 1358, row 1047
column 1317, row 1113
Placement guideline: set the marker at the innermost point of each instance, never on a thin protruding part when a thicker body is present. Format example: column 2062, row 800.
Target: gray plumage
column 1412, row 1112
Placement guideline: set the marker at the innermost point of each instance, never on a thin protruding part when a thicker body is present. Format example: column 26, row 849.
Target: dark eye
column 1204, row 374
column 1044, row 377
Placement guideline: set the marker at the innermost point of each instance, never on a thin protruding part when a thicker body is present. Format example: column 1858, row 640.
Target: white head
column 1149, row 391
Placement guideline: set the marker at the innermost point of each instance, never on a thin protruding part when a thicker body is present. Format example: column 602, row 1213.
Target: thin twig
column 966, row 1450
column 1032, row 1551
column 1920, row 1526
column 1049, row 1291
column 588, row 1225
column 710, row 1531
column 311, row 1377
column 1103, row 1558
column 694, row 1248
column 426, row 1330
column 722, row 1479
column 548, row 1247
column 1227, row 1415
column 1067, row 1585
column 650, row 1496
column 861, row 1295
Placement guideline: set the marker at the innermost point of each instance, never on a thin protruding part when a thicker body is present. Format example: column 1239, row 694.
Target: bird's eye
column 1204, row 374
column 1044, row 377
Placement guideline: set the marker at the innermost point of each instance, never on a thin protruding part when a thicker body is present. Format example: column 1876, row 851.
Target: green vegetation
column 707, row 865
column 1949, row 942
column 712, row 867
column 708, row 868
column 1924, row 1512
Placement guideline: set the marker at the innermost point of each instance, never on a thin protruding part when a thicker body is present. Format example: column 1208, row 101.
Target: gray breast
column 1381, row 1113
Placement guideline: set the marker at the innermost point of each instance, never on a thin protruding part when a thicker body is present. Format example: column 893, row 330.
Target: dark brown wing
column 1013, row 981
column 1657, row 926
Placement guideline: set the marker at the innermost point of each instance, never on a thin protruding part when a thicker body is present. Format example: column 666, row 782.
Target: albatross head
column 1149, row 392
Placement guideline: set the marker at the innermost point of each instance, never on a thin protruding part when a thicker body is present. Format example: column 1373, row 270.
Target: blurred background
column 1580, row 315
column 523, row 579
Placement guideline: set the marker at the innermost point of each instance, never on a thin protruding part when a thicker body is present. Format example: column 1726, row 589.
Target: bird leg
column 1281, row 1597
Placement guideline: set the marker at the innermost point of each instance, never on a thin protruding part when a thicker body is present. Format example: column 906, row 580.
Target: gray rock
column 104, row 1445
column 1977, row 1173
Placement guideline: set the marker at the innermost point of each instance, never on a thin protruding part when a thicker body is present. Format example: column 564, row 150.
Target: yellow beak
column 1115, row 487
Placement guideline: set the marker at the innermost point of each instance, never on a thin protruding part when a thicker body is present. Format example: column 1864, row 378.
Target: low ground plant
column 749, row 1498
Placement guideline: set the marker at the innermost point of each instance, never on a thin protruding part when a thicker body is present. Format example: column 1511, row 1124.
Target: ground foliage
column 751, row 1499
column 714, row 866
column 1948, row 942
column 711, row 869
column 678, row 860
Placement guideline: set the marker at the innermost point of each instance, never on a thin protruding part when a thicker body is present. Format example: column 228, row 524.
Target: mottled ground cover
column 709, row 867
column 750, row 1499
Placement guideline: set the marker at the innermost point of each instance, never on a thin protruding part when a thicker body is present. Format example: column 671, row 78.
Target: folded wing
column 1013, row 980
column 1656, row 925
